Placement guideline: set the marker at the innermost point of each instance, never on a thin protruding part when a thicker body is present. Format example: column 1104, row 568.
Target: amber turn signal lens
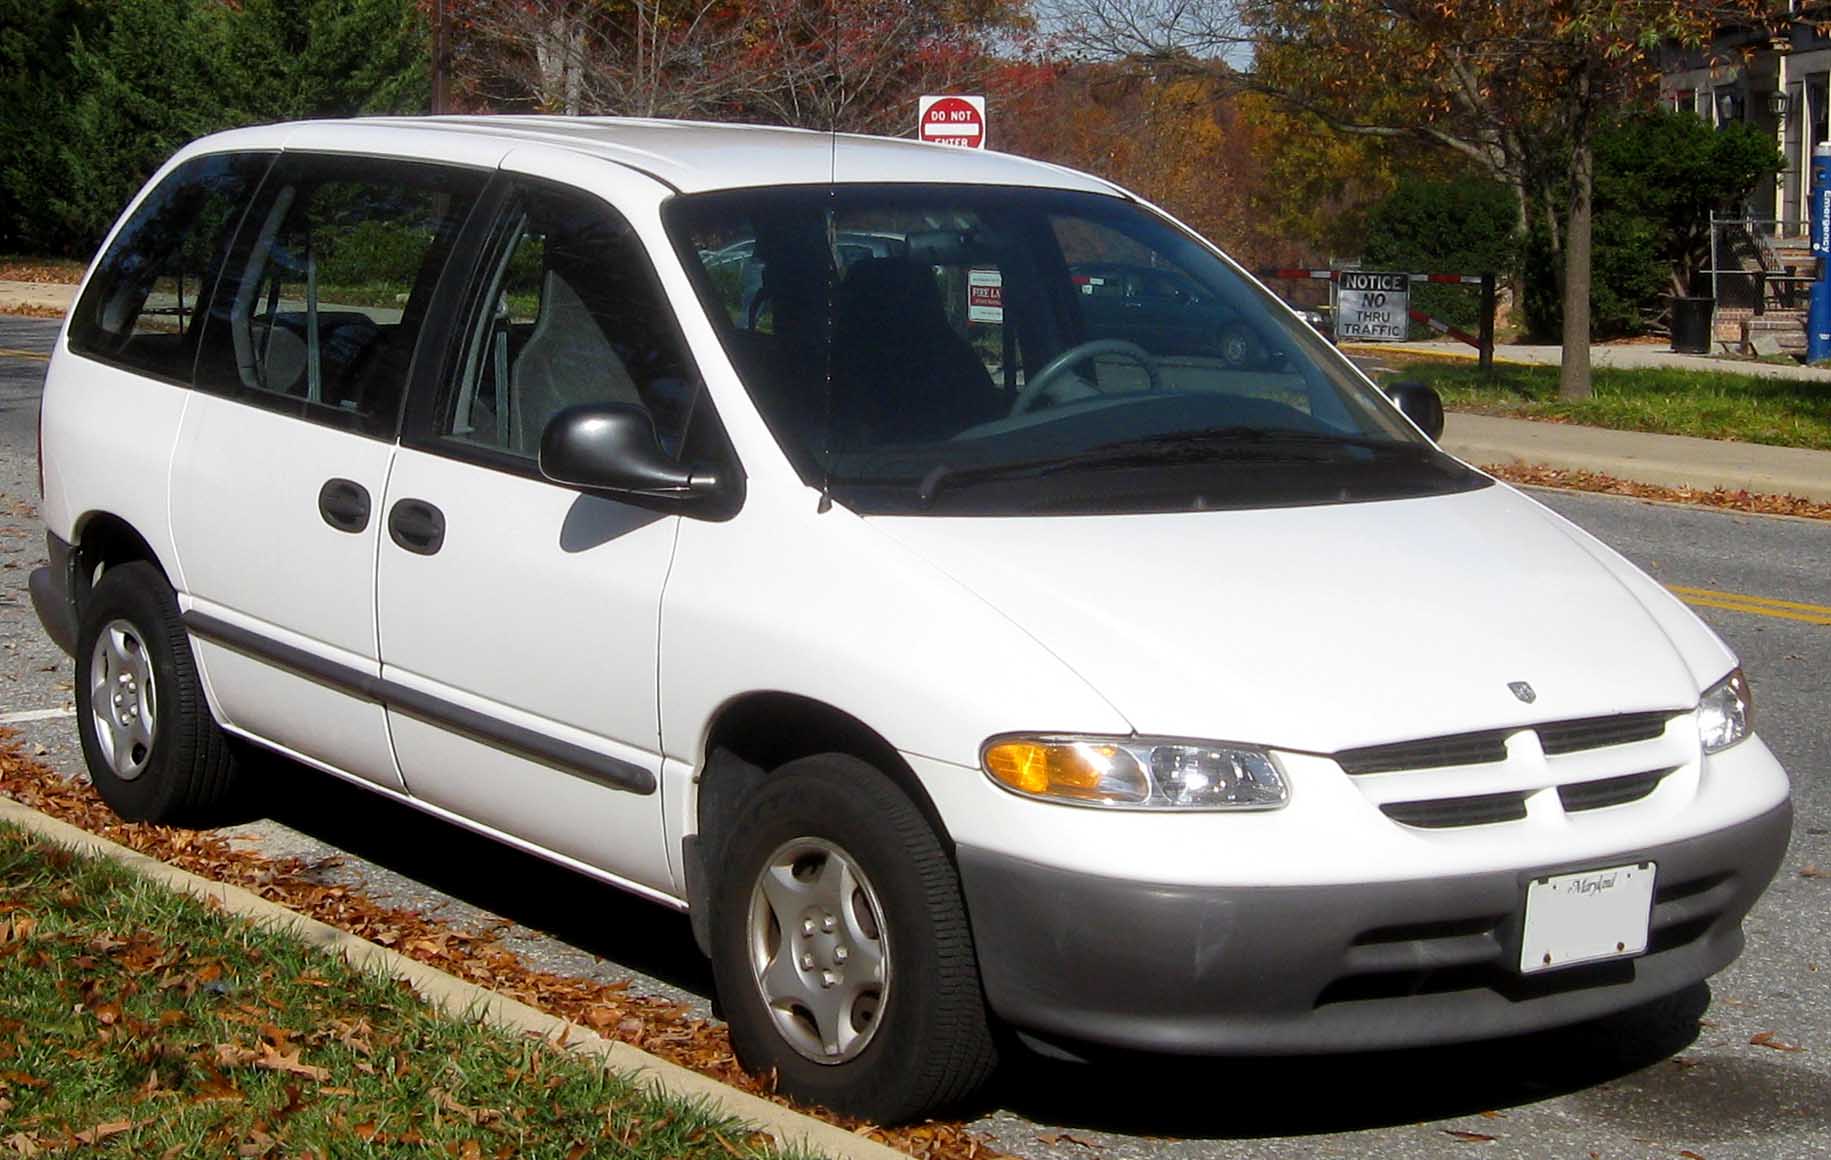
column 1077, row 770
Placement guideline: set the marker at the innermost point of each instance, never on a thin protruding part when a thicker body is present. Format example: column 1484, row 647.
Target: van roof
column 690, row 156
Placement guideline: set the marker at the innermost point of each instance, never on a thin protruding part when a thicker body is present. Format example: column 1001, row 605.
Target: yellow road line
column 35, row 356
column 1755, row 605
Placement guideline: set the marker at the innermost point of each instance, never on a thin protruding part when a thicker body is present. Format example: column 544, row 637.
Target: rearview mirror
column 1420, row 404
column 612, row 447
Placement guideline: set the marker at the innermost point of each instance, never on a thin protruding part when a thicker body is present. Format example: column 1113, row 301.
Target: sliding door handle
column 417, row 526
column 344, row 504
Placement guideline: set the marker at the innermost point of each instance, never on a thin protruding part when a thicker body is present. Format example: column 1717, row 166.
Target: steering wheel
column 1081, row 352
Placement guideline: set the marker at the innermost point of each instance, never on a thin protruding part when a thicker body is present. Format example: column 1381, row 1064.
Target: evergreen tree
column 96, row 96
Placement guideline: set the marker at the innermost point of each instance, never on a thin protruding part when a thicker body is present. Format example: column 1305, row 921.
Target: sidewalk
column 1666, row 460
column 1627, row 355
column 36, row 296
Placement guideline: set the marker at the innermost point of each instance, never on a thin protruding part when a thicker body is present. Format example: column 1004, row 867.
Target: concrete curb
column 460, row 999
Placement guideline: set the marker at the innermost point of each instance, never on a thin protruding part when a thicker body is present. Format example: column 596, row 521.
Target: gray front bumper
column 1318, row 969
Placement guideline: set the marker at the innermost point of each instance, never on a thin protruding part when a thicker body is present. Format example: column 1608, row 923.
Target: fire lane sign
column 952, row 120
column 985, row 296
column 1369, row 305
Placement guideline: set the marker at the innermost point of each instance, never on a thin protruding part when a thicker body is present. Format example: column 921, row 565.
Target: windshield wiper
column 1180, row 446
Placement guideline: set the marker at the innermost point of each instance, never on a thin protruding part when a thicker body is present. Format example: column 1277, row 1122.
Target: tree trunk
column 1573, row 375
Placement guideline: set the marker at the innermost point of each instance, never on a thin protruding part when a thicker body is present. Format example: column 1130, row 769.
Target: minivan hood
column 1320, row 628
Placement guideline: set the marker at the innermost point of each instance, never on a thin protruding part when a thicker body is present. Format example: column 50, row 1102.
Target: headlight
column 1725, row 713
column 1136, row 772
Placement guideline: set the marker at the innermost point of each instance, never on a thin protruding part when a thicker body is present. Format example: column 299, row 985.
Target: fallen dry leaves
column 1771, row 1039
column 659, row 1026
column 61, row 273
column 101, row 1132
column 1757, row 503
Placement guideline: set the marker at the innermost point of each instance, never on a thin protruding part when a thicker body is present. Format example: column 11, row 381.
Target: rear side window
column 141, row 309
column 323, row 297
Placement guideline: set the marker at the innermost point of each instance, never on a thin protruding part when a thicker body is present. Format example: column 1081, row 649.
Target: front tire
column 841, row 948
column 154, row 752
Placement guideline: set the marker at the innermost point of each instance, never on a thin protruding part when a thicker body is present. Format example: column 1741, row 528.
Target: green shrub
column 1461, row 226
column 1659, row 174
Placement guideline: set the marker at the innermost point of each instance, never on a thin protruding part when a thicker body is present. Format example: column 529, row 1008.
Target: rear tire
column 841, row 949
column 154, row 751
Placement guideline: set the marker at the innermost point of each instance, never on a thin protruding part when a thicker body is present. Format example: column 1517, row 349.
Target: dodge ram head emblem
column 1523, row 691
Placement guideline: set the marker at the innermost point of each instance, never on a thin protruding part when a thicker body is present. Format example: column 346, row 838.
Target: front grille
column 1434, row 753
column 1426, row 785
column 1610, row 791
column 1555, row 738
column 1442, row 813
column 1598, row 732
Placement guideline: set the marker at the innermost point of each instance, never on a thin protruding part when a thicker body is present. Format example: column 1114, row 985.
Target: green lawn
column 1713, row 405
column 137, row 1022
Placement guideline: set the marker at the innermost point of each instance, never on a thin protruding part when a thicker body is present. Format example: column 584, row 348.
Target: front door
column 521, row 617
column 284, row 451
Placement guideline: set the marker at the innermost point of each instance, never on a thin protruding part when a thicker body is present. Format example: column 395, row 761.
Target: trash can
column 1691, row 325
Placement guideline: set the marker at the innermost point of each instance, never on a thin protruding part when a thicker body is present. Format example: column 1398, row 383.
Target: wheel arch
column 747, row 739
column 102, row 540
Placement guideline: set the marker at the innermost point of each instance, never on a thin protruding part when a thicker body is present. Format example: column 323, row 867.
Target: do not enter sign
column 947, row 120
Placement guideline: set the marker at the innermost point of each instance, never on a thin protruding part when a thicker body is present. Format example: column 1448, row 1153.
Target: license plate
column 1586, row 917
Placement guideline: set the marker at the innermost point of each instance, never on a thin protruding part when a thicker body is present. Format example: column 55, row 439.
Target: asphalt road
column 1652, row 1083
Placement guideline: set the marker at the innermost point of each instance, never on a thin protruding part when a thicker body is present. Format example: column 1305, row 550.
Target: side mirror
column 612, row 447
column 1420, row 404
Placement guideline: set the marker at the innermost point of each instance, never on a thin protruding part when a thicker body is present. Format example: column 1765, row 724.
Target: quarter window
column 142, row 305
column 329, row 285
column 571, row 312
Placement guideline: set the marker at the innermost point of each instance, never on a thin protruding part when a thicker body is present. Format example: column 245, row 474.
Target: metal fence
column 1758, row 263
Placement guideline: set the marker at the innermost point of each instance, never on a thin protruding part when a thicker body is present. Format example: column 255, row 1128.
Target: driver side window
column 571, row 313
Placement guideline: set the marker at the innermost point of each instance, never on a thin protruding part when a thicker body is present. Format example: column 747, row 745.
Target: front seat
column 567, row 359
column 901, row 373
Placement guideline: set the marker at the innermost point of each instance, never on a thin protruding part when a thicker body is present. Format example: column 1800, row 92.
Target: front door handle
column 417, row 526
column 344, row 504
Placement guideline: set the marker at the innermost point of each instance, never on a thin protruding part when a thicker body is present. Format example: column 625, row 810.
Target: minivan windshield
column 1000, row 351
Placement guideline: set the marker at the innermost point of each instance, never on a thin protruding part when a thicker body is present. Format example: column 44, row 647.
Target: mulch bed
column 1757, row 503
column 658, row 1026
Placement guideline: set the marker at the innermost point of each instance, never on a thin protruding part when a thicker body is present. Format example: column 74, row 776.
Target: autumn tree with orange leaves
column 1518, row 87
column 830, row 64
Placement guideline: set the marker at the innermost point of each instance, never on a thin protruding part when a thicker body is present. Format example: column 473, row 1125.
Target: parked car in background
column 961, row 590
column 1319, row 318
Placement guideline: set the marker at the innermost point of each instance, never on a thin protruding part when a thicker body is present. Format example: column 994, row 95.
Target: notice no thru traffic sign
column 1372, row 305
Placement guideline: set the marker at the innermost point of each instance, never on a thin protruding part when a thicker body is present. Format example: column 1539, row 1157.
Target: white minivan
column 801, row 532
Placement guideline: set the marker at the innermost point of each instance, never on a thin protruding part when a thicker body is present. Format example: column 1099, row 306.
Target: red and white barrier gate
column 1483, row 343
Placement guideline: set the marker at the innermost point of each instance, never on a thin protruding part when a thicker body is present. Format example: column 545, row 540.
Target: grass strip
column 137, row 1022
column 1710, row 405
column 611, row 1009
